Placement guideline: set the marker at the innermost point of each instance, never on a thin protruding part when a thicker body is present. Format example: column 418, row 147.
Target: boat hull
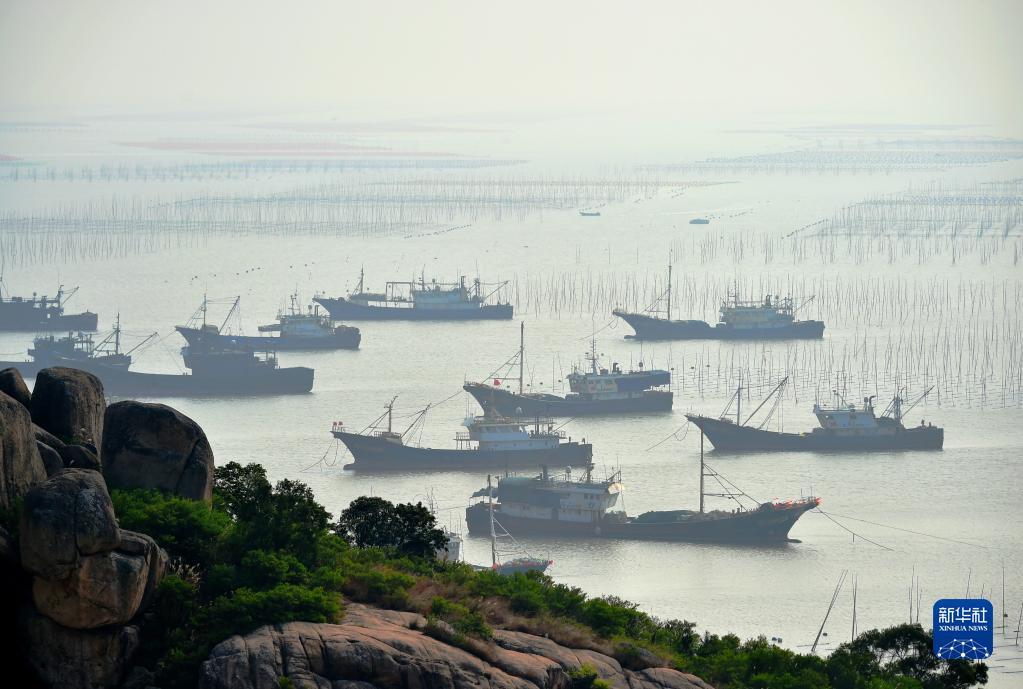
column 123, row 383
column 29, row 320
column 346, row 339
column 726, row 436
column 510, row 404
column 343, row 309
column 650, row 328
column 767, row 524
column 378, row 454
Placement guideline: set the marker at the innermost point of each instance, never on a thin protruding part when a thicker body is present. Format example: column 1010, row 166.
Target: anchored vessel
column 489, row 441
column 214, row 371
column 296, row 331
column 769, row 319
column 843, row 427
column 522, row 564
column 43, row 313
column 419, row 301
column 564, row 505
column 594, row 391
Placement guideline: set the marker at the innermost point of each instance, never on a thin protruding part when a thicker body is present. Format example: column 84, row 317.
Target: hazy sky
column 936, row 61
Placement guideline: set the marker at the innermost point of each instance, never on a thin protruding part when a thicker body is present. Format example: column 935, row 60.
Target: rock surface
column 69, row 403
column 79, row 457
column 52, row 461
column 104, row 589
column 21, row 466
column 155, row 446
column 67, row 516
column 13, row 384
column 77, row 659
column 377, row 648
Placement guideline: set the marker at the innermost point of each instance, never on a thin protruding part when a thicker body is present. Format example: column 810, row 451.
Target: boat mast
column 390, row 410
column 738, row 402
column 669, row 290
column 493, row 534
column 522, row 352
column 117, row 334
column 701, row 472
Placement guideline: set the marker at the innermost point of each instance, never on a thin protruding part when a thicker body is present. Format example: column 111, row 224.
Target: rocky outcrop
column 13, row 384
column 64, row 518
column 20, row 463
column 155, row 446
column 75, row 658
column 376, row 648
column 106, row 588
column 69, row 403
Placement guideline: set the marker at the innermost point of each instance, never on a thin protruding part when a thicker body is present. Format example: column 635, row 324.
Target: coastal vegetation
column 268, row 554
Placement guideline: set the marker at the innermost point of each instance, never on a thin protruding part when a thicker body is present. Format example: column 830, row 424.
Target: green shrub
column 189, row 529
column 586, row 677
column 245, row 609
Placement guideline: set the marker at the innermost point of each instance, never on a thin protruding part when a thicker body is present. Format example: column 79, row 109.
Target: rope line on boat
column 855, row 535
column 673, row 434
column 917, row 533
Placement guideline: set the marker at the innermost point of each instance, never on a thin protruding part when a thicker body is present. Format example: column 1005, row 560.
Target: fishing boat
column 568, row 506
column 842, row 427
column 594, row 390
column 489, row 441
column 214, row 372
column 590, row 214
column 699, row 221
column 42, row 313
column 293, row 331
column 771, row 318
column 419, row 300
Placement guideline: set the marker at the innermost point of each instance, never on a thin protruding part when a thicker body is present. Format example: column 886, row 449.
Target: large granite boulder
column 20, row 464
column 13, row 384
column 381, row 648
column 106, row 588
column 155, row 446
column 68, row 516
column 75, row 658
column 69, row 403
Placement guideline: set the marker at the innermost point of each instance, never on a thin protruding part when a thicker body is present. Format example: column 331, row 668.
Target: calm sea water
column 951, row 518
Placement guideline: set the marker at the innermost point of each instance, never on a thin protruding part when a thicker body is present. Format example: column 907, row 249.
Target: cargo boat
column 418, row 301
column 563, row 505
column 843, row 428
column 41, row 314
column 594, row 391
column 298, row 331
column 768, row 319
column 489, row 442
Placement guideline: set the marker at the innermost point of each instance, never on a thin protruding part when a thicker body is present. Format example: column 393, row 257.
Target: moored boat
column 43, row 314
column 842, row 428
column 595, row 391
column 489, row 441
column 293, row 331
column 771, row 318
column 217, row 372
column 419, row 300
column 563, row 505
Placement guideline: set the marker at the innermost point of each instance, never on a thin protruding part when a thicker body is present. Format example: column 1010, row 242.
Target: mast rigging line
column 916, row 533
column 855, row 535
